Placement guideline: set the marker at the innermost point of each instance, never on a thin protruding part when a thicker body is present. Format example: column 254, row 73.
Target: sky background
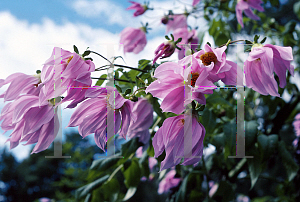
column 29, row 30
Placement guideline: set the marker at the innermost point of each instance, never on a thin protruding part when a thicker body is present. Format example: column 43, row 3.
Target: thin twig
column 114, row 79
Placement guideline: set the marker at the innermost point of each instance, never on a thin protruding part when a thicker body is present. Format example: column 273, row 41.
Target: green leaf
column 91, row 59
column 209, row 120
column 230, row 139
column 225, row 191
column 88, row 198
column 75, row 49
column 85, row 190
column 215, row 99
column 264, row 40
column 130, row 147
column 167, row 37
column 297, row 9
column 182, row 190
column 86, row 53
column 267, row 144
column 288, row 161
column 109, row 188
column 100, row 81
column 127, row 91
column 132, row 174
column 118, row 88
column 103, row 164
column 250, row 132
column 256, row 37
column 38, row 71
column 255, row 168
column 248, row 42
column 130, row 192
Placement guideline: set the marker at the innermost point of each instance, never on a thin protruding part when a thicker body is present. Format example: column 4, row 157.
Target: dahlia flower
column 245, row 6
column 261, row 64
column 20, row 84
column 164, row 50
column 143, row 110
column 168, row 182
column 91, row 115
column 133, row 39
column 140, row 9
column 195, row 2
column 170, row 137
column 62, row 71
column 178, row 85
column 30, row 122
column 176, row 21
column 188, row 37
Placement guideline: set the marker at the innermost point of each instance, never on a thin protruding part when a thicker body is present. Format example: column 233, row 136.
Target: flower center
column 194, row 78
column 70, row 58
column 208, row 57
column 182, row 121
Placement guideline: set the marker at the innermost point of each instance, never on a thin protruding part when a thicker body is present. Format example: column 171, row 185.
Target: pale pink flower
column 242, row 198
column 170, row 85
column 296, row 125
column 245, row 6
column 195, row 2
column 91, row 115
column 261, row 64
column 213, row 189
column 164, row 50
column 30, row 122
column 61, row 73
column 44, row 199
column 143, row 110
column 170, row 137
column 133, row 39
column 176, row 21
column 20, row 84
column 168, row 182
column 188, row 37
column 140, row 9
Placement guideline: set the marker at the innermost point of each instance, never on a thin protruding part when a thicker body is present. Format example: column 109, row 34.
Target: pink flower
column 143, row 110
column 168, row 182
column 91, row 115
column 246, row 5
column 213, row 189
column 195, row 2
column 296, row 125
column 176, row 21
column 138, row 7
column 188, row 37
column 170, row 137
column 44, row 199
column 262, row 62
column 164, row 50
column 62, row 71
column 133, row 40
column 30, row 122
column 170, row 85
column 20, row 84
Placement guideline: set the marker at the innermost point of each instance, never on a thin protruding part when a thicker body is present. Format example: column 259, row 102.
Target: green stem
column 231, row 42
column 114, row 79
column 138, row 90
column 155, row 124
column 102, row 56
column 133, row 68
column 115, row 172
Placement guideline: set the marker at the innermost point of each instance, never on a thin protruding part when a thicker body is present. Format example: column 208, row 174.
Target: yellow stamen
column 194, row 78
column 70, row 58
column 208, row 57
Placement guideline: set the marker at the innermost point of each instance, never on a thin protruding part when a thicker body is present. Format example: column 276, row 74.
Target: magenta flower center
column 208, row 57
column 194, row 78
